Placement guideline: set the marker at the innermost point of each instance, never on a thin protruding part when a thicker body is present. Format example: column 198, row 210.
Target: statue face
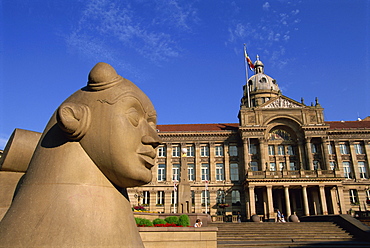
column 122, row 139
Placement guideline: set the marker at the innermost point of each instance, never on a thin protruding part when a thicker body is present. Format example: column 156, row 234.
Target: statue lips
column 148, row 155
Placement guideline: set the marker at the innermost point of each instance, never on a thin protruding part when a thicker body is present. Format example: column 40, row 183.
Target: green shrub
column 184, row 220
column 172, row 219
column 143, row 222
column 159, row 221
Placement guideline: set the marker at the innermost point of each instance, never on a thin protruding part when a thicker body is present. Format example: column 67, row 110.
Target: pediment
column 281, row 102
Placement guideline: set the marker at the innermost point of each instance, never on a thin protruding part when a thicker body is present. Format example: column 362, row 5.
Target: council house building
column 281, row 155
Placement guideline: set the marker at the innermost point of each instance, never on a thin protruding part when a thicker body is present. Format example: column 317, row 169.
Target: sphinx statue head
column 99, row 141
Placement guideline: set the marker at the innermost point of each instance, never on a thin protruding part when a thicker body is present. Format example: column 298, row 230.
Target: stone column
column 169, row 162
column 334, row 200
column 252, row 201
column 246, row 155
column 325, row 154
column 263, row 154
column 212, row 162
column 197, row 164
column 152, row 200
column 354, row 162
column 367, row 152
column 212, row 202
column 323, row 200
column 167, row 201
column 301, row 156
column 271, row 213
column 305, row 201
column 309, row 154
column 287, row 201
column 226, row 162
column 339, row 169
column 198, row 200
column 342, row 203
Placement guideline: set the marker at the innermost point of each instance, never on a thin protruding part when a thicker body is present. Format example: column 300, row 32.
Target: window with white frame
column 220, row 197
column 254, row 166
column 343, row 148
column 353, row 196
column 235, row 197
column 330, row 149
column 252, row 149
column 205, row 171
column 332, row 165
column 346, row 169
column 174, row 197
column 146, row 197
column 292, row 166
column 190, row 151
column 290, row 150
column 161, row 172
column 205, row 197
column 272, row 166
column 160, row 197
column 192, row 197
column 219, row 150
column 176, row 151
column 191, row 172
column 271, row 150
column 368, row 194
column 219, row 172
column 358, row 148
column 362, row 169
column 161, row 151
column 281, row 166
column 175, row 172
column 234, row 172
column 233, row 150
column 204, row 151
column 281, row 150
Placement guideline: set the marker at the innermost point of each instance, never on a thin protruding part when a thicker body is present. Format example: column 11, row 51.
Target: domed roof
column 261, row 81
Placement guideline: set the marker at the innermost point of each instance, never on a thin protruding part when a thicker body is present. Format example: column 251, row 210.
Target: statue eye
column 133, row 116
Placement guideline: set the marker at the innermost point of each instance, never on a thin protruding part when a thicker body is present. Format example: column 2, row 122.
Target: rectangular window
column 358, row 149
column 219, row 172
column 290, row 150
column 176, row 151
column 252, row 149
column 233, row 150
column 205, row 172
column 174, row 197
column 234, row 172
column 146, row 197
column 313, row 148
column 353, row 196
column 219, row 151
column 368, row 194
column 161, row 172
column 332, row 165
column 254, row 166
column 347, row 169
column 292, row 166
column 161, row 151
column 362, row 169
column 330, row 149
column 204, row 151
column 175, row 172
column 160, row 197
column 316, row 165
column 190, row 151
column 191, row 172
column 271, row 150
column 281, row 150
column 343, row 149
column 235, row 197
column 272, row 166
column 281, row 166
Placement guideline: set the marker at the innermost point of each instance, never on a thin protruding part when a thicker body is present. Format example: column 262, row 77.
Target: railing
column 291, row 174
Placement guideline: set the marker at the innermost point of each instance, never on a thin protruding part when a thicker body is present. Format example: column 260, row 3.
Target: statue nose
column 152, row 140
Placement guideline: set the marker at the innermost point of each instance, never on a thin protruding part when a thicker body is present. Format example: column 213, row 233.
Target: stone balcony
column 293, row 174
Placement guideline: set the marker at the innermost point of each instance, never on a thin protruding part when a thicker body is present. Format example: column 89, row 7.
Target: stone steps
column 270, row 234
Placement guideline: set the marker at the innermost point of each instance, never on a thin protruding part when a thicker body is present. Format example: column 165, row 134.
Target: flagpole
column 246, row 75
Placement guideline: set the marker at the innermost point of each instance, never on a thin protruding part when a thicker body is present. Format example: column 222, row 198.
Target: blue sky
column 187, row 56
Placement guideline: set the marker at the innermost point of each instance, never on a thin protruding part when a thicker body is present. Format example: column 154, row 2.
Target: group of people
column 280, row 216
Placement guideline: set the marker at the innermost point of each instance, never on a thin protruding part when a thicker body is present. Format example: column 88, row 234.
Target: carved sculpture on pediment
column 282, row 103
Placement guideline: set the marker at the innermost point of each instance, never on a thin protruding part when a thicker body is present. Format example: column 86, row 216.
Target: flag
column 249, row 61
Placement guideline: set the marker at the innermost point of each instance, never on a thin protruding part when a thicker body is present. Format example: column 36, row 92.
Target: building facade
column 281, row 155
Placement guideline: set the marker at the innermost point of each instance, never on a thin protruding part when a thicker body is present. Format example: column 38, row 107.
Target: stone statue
column 99, row 141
